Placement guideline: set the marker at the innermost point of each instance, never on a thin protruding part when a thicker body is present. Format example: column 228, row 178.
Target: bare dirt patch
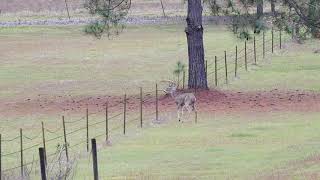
column 208, row 101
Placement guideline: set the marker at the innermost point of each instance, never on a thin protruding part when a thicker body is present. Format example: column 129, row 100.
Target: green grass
column 220, row 148
column 296, row 69
column 49, row 56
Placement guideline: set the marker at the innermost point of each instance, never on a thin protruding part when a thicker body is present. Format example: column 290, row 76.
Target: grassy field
column 63, row 57
column 269, row 145
column 296, row 67
column 61, row 61
column 224, row 147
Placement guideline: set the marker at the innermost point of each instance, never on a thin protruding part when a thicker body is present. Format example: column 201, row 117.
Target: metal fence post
column 272, row 43
column 124, row 113
column 65, row 138
column 216, row 70
column 21, row 154
column 157, row 105
column 87, row 124
column 236, row 63
column 107, row 122
column 141, row 106
column 280, row 38
column 184, row 79
column 226, row 65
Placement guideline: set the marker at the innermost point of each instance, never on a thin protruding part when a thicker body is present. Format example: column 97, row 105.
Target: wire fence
column 19, row 152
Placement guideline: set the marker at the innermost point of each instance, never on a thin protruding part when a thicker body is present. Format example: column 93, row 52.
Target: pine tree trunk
column 259, row 8
column 194, row 32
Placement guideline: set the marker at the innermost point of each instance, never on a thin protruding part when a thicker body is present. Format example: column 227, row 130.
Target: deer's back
column 186, row 98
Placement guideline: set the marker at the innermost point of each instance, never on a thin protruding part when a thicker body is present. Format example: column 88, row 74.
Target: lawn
column 67, row 61
column 224, row 147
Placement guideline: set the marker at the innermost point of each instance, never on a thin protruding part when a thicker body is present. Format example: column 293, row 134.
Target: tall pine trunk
column 194, row 32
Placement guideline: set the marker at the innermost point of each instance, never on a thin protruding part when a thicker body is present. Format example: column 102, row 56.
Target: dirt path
column 208, row 101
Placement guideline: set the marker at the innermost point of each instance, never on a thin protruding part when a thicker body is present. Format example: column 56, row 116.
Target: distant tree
column 302, row 18
column 111, row 13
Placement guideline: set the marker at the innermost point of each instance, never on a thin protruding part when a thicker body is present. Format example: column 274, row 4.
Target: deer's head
column 171, row 88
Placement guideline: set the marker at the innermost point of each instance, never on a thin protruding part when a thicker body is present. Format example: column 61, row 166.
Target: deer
column 183, row 100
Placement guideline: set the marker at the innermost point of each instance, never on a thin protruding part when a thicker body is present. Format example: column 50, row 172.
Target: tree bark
column 194, row 31
column 259, row 8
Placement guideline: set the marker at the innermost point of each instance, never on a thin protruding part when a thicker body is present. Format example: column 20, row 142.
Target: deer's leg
column 189, row 110
column 182, row 108
column 194, row 108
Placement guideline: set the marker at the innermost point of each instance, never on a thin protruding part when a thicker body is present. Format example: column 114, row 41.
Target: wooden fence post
column 184, row 79
column 236, row 63
column 0, row 157
column 87, row 124
column 264, row 45
column 107, row 121
column 94, row 159
column 226, row 65
column 42, row 163
column 65, row 138
column 44, row 142
column 216, row 70
column 141, row 106
column 157, row 105
column 280, row 33
column 21, row 154
column 254, row 50
column 124, row 113
column 272, row 40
